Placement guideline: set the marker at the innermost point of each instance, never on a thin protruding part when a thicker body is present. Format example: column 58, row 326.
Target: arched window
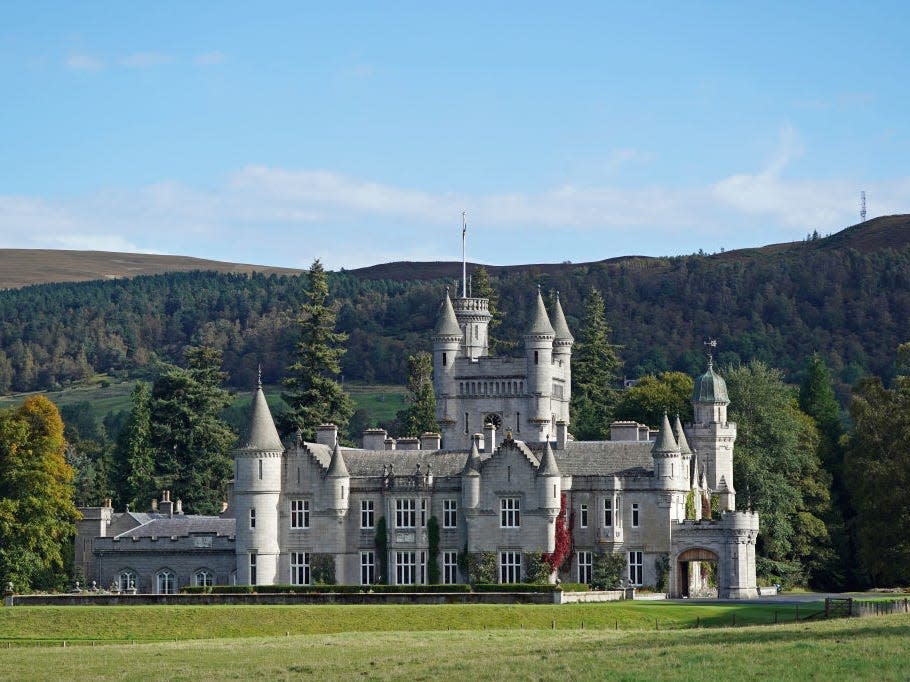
column 126, row 580
column 203, row 578
column 165, row 582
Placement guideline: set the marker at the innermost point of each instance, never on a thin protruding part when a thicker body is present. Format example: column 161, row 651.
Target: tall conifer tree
column 136, row 462
column 596, row 371
column 311, row 392
column 420, row 415
column 482, row 288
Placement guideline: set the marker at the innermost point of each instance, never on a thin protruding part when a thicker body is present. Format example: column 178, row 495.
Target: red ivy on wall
column 563, row 550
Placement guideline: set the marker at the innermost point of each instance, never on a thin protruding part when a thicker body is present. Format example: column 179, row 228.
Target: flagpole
column 464, row 258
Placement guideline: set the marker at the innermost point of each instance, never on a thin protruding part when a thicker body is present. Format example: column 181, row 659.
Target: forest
column 826, row 295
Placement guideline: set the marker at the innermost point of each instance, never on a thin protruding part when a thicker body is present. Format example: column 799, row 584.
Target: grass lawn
column 23, row 624
column 867, row 648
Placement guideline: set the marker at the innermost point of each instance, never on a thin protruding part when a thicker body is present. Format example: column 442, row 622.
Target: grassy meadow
column 866, row 648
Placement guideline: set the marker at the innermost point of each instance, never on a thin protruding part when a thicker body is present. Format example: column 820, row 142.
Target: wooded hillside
column 846, row 296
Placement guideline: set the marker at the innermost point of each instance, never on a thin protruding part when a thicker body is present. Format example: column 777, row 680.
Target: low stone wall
column 93, row 599
column 588, row 597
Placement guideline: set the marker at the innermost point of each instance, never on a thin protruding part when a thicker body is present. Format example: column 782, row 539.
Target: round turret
column 338, row 482
column 549, row 482
column 255, row 496
column 470, row 479
column 538, row 342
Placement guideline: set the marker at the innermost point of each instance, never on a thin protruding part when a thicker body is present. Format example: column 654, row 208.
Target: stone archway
column 694, row 569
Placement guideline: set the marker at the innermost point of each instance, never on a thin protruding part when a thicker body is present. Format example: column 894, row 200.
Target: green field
column 409, row 642
column 106, row 395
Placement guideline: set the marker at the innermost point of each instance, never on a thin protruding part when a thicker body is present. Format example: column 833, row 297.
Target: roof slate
column 182, row 525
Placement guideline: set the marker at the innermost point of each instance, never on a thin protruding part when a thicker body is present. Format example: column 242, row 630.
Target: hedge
column 323, row 589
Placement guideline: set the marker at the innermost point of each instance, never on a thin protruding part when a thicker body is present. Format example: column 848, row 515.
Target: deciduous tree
column 648, row 400
column 37, row 515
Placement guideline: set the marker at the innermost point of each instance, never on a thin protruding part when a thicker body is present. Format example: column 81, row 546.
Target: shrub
column 233, row 589
column 513, row 587
column 481, row 567
column 575, row 587
column 322, row 568
column 606, row 573
column 662, row 570
column 537, row 569
column 382, row 550
column 433, row 554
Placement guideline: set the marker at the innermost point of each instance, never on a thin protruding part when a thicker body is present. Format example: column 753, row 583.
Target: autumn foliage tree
column 37, row 515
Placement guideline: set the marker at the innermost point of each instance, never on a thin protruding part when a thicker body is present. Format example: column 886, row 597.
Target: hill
column 22, row 267
column 846, row 296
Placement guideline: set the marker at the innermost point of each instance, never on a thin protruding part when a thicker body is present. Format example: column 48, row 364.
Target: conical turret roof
column 446, row 322
column 548, row 463
column 472, row 465
column 560, row 325
column 665, row 441
column 261, row 433
column 337, row 467
column 540, row 323
column 681, row 437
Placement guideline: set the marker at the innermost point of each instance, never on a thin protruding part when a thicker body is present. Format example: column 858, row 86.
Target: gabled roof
column 665, row 441
column 446, row 322
column 560, row 325
column 540, row 323
column 261, row 435
column 182, row 525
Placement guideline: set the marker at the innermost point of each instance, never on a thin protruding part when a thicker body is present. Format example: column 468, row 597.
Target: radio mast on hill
column 862, row 205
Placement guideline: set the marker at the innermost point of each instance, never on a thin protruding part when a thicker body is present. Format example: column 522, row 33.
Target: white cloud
column 144, row 60
column 285, row 216
column 83, row 62
column 210, row 59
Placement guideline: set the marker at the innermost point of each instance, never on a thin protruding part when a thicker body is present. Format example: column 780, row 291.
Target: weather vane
column 710, row 345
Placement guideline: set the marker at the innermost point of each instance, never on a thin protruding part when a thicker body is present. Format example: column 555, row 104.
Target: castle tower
column 447, row 339
column 256, row 492
column 667, row 459
column 473, row 315
column 549, row 482
column 538, row 342
column 685, row 455
column 338, row 483
column 470, row 480
column 562, row 363
column 712, row 435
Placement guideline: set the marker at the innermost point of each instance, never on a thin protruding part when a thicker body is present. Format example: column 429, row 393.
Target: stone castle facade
column 494, row 482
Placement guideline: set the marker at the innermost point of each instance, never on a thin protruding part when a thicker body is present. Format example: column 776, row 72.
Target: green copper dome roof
column 710, row 388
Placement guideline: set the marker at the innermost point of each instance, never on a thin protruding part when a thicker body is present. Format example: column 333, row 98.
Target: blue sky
column 275, row 133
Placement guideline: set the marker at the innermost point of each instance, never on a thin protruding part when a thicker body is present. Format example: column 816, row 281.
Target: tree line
column 848, row 306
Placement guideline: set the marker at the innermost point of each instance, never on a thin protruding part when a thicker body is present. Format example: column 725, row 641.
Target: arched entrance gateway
column 725, row 546
column 696, row 573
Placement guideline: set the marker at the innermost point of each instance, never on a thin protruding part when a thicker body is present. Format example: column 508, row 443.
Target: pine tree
column 37, row 516
column 136, row 461
column 311, row 392
column 191, row 440
column 482, row 288
column 595, row 373
column 420, row 415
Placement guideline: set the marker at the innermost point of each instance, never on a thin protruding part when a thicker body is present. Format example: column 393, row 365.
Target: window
column 510, row 512
column 535, row 357
column 518, row 422
column 405, row 568
column 450, row 568
column 367, row 514
column 126, row 580
column 465, row 422
column 300, row 568
column 203, row 578
column 405, row 513
column 583, row 516
column 165, row 582
column 444, row 359
column 635, row 567
column 300, row 514
column 367, row 568
column 450, row 513
column 635, row 515
column 585, row 562
column 510, row 567
column 423, row 513
column 252, row 517
column 260, row 469
column 252, row 569
column 608, row 512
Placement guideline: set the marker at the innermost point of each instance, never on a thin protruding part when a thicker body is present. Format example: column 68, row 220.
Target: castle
column 501, row 481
